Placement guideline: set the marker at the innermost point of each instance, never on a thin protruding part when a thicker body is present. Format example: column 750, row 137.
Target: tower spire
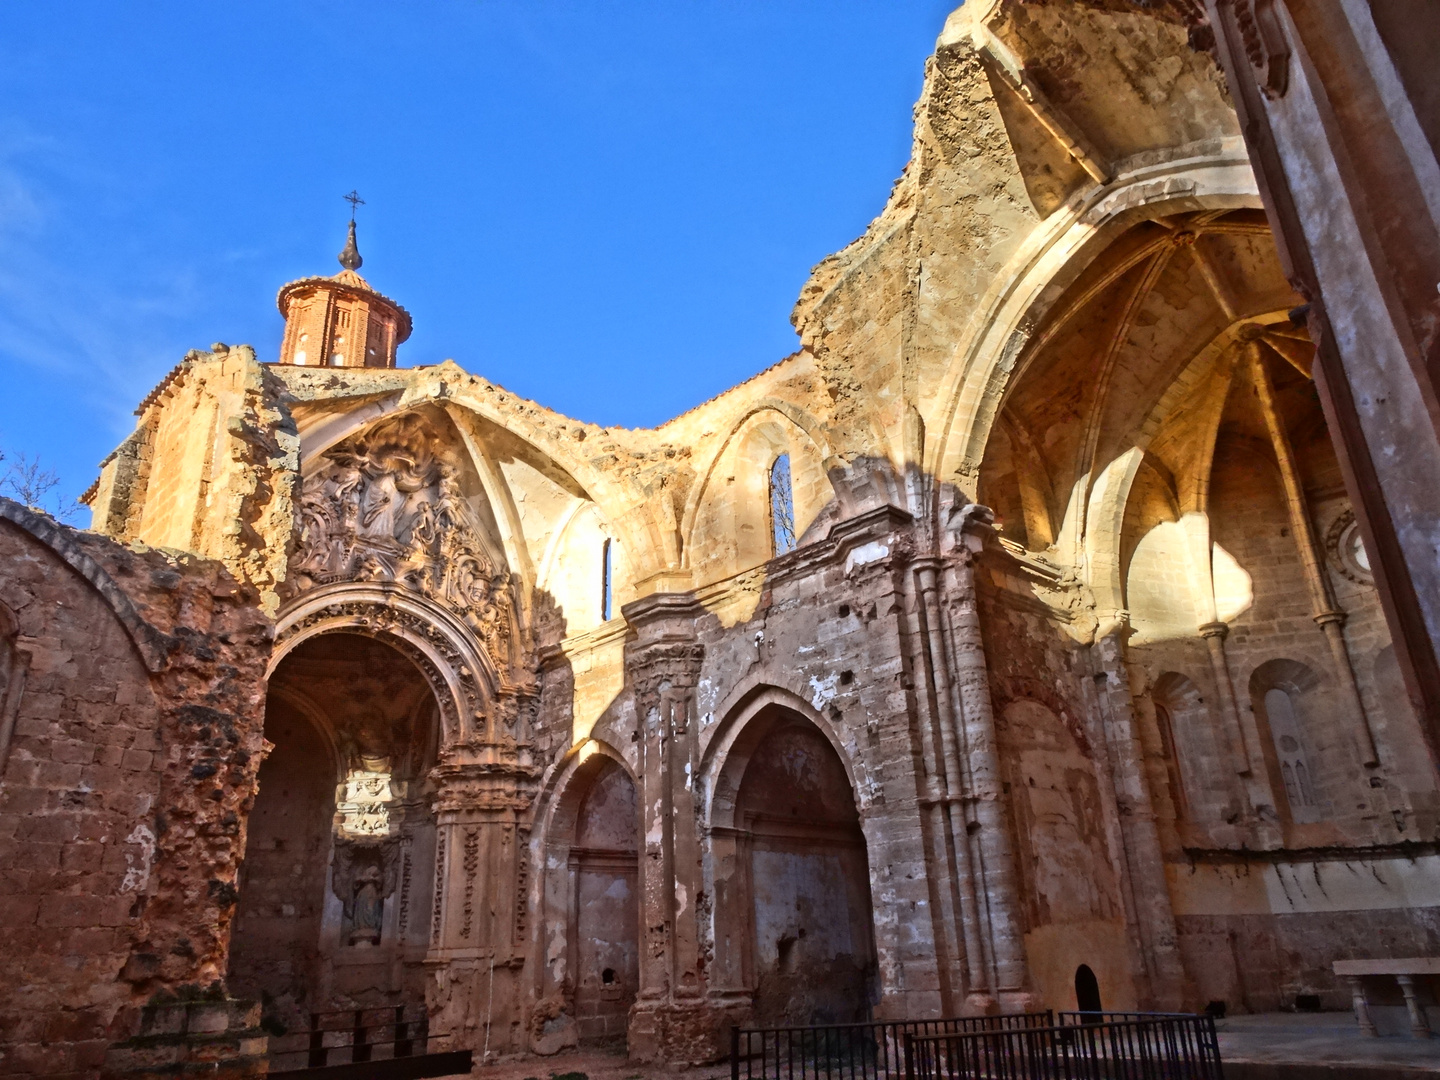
column 350, row 258
column 341, row 321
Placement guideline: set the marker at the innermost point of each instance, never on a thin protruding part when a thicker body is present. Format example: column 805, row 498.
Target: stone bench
column 1404, row 972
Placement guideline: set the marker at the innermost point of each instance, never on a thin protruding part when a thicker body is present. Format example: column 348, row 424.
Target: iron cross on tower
column 354, row 200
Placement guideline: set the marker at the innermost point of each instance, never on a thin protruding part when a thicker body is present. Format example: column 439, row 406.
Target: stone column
column 478, row 935
column 1149, row 892
column 1322, row 598
column 945, row 789
column 1215, row 634
column 672, row 1019
column 992, row 854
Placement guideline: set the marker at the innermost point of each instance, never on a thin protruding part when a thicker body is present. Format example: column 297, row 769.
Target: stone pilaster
column 672, row 1019
column 996, row 877
column 478, row 932
column 1148, row 893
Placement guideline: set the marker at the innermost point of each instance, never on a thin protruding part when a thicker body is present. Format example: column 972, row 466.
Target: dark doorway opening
column 1087, row 990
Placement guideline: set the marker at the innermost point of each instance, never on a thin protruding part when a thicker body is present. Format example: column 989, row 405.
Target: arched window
column 1295, row 768
column 782, row 506
column 607, row 579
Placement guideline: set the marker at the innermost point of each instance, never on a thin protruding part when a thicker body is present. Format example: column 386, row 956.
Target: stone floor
column 1282, row 1046
column 591, row 1065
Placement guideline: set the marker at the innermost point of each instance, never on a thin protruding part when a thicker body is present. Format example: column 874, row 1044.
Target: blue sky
column 608, row 207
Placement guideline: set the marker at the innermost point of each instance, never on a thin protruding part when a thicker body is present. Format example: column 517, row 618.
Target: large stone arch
column 791, row 920
column 727, row 752
column 336, row 890
column 1018, row 300
column 463, row 676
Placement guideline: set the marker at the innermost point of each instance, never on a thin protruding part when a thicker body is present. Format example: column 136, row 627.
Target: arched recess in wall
column 793, row 923
column 1290, row 704
column 495, row 443
column 727, row 527
column 590, row 900
column 335, row 892
column 460, row 670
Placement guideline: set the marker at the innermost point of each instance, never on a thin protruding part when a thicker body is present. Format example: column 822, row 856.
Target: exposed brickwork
column 129, row 779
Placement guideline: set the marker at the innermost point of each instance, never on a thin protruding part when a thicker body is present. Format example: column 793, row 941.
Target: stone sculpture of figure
column 367, row 907
column 449, row 514
column 382, row 504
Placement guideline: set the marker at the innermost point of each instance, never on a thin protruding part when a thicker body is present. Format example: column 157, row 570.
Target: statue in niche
column 363, row 878
column 385, row 506
column 367, row 907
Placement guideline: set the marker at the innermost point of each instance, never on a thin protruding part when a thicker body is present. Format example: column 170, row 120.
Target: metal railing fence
column 1083, row 1046
column 861, row 1051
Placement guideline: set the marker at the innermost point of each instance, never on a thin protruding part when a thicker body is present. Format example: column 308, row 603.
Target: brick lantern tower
column 340, row 321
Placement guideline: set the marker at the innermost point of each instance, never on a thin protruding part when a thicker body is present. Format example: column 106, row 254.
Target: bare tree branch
column 27, row 481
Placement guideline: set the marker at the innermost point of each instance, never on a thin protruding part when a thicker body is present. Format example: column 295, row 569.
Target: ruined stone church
column 1062, row 614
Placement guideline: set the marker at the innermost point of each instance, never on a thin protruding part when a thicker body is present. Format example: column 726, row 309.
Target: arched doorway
column 335, row 889
column 605, row 920
column 591, row 974
column 1087, row 990
column 812, row 950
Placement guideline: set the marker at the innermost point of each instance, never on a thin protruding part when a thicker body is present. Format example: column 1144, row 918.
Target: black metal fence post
column 318, row 1053
column 359, row 1039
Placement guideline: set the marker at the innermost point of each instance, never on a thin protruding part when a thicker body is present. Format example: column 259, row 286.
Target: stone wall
column 135, row 691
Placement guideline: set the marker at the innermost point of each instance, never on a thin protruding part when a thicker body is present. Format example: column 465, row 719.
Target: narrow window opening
column 782, row 506
column 607, row 580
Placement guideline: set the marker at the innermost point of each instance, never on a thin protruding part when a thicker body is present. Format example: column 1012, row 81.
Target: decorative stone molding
column 1345, row 550
column 386, row 506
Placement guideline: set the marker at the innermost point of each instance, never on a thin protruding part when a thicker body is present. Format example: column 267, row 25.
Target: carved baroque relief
column 387, row 506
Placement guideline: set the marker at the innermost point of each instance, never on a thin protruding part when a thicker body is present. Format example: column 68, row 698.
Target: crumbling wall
column 131, row 769
column 212, row 468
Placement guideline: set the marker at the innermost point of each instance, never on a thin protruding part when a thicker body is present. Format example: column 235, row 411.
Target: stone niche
column 812, row 954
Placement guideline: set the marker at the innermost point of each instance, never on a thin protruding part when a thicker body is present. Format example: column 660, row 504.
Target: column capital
column 483, row 785
column 1219, row 630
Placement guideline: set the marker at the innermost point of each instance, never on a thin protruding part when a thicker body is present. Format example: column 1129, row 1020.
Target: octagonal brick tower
column 341, row 321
